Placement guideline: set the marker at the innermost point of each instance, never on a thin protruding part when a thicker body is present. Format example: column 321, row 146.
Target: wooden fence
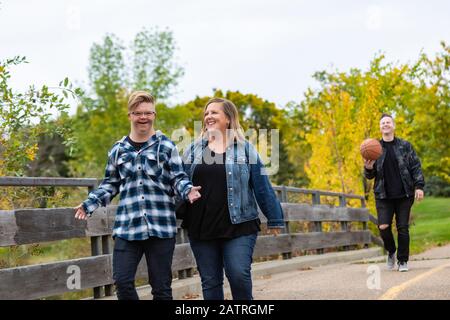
column 30, row 226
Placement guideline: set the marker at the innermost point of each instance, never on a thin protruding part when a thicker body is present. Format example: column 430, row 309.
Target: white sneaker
column 391, row 261
column 403, row 266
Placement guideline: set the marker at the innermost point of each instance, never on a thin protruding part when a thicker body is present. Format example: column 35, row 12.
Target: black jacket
column 408, row 164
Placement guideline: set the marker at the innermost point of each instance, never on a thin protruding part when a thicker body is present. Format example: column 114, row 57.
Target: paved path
column 428, row 278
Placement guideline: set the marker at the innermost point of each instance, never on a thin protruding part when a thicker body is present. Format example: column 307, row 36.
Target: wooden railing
column 27, row 226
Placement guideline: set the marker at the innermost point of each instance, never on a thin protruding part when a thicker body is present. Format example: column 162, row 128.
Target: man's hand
column 419, row 195
column 274, row 231
column 194, row 194
column 80, row 213
column 368, row 164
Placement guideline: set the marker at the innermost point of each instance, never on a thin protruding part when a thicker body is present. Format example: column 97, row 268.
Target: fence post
column 363, row 202
column 182, row 238
column 287, row 255
column 364, row 224
column 344, row 224
column 284, row 196
column 107, row 249
column 96, row 249
column 317, row 224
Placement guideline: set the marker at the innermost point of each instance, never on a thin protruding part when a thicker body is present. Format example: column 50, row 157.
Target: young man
column 398, row 180
column 146, row 169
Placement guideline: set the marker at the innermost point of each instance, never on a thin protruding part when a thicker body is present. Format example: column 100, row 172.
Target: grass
column 430, row 226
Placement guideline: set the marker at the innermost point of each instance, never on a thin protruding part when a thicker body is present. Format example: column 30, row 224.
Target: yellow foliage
column 31, row 152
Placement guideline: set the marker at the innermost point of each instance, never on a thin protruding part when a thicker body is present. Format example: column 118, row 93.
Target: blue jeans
column 126, row 257
column 233, row 255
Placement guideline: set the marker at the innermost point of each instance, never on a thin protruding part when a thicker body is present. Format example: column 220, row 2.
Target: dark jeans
column 158, row 254
column 233, row 255
column 386, row 208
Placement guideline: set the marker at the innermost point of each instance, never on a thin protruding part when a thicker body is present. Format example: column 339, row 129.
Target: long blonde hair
column 231, row 113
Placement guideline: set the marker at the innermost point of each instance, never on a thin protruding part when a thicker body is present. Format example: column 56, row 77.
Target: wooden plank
column 314, row 240
column 373, row 219
column 42, row 225
column 306, row 212
column 43, row 181
column 43, row 280
column 183, row 258
column 269, row 245
column 377, row 240
column 8, row 228
column 320, row 192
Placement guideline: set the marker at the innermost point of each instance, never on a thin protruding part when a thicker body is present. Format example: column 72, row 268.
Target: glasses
column 140, row 114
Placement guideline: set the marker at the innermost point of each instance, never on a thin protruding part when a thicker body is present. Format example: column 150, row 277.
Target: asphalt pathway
column 428, row 278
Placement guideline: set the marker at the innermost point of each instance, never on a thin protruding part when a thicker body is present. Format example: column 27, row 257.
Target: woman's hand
column 274, row 231
column 194, row 194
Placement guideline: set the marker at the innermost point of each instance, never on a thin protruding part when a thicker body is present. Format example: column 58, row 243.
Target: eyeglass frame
column 140, row 114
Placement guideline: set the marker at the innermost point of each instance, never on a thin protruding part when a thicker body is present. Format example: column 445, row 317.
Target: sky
column 269, row 48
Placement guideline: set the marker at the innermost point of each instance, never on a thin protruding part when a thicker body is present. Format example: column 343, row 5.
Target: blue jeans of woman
column 233, row 255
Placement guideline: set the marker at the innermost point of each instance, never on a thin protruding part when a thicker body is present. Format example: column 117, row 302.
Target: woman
column 223, row 225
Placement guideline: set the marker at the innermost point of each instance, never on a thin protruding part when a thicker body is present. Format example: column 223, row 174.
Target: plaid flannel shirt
column 147, row 180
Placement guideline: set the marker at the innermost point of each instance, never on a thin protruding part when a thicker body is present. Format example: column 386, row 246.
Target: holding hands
column 194, row 194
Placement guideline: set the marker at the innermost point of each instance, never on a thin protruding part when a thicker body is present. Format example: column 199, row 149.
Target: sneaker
column 391, row 261
column 403, row 266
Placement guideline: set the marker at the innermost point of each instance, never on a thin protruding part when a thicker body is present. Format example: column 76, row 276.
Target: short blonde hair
column 137, row 97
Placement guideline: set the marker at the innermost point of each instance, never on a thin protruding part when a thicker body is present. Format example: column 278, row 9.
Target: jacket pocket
column 152, row 169
column 125, row 165
column 242, row 164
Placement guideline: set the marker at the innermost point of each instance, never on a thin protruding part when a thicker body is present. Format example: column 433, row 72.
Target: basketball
column 371, row 149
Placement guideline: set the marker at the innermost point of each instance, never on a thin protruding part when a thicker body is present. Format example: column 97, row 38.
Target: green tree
column 101, row 118
column 346, row 109
column 429, row 113
column 26, row 116
column 25, row 119
column 154, row 66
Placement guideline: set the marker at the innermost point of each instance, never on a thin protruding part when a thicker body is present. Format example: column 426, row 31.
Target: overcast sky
column 269, row 48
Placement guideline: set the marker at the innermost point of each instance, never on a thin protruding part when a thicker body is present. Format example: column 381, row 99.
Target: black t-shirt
column 392, row 180
column 208, row 218
column 136, row 145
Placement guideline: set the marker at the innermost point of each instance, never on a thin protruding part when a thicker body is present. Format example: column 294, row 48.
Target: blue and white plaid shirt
column 147, row 180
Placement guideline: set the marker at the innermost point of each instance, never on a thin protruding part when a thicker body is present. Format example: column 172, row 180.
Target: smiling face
column 387, row 126
column 142, row 118
column 215, row 118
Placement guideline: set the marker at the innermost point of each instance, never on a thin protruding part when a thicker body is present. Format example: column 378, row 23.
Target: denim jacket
column 247, row 184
